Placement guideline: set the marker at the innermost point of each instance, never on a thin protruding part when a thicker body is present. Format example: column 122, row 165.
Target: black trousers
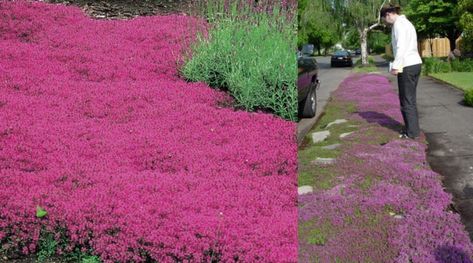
column 407, row 84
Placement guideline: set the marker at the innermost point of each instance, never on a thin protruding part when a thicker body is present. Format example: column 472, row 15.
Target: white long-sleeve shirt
column 404, row 42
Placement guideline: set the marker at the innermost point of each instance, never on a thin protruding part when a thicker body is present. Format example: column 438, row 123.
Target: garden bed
column 105, row 151
column 377, row 200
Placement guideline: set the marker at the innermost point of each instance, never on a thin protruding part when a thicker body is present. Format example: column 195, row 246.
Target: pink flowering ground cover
column 129, row 161
column 379, row 201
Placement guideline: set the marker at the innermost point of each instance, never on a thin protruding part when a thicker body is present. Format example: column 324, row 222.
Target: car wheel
column 310, row 104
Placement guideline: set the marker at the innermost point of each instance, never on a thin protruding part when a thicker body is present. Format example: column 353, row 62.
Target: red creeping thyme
column 98, row 130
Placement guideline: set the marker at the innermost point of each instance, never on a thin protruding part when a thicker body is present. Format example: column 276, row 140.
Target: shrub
column 464, row 65
column 387, row 57
column 252, row 58
column 370, row 61
column 469, row 97
column 435, row 65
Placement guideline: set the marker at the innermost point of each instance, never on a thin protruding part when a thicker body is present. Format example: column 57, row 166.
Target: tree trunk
column 431, row 43
column 364, row 46
column 453, row 43
column 452, row 38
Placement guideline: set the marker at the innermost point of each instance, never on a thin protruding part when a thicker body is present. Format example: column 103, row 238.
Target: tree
column 363, row 16
column 351, row 39
column 436, row 18
column 377, row 40
column 316, row 24
column 466, row 21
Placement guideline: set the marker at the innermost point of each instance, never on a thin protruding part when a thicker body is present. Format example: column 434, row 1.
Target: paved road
column 330, row 79
column 448, row 126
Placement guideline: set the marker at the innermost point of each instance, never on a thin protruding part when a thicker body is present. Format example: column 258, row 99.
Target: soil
column 126, row 9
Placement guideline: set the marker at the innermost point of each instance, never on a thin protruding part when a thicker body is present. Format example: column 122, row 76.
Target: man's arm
column 401, row 45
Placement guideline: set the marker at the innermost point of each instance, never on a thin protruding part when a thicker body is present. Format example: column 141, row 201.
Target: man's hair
column 390, row 9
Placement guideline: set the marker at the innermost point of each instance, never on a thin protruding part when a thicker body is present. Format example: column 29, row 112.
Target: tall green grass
column 438, row 65
column 250, row 51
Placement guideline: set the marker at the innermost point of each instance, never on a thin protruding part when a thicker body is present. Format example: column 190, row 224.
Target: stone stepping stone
column 325, row 161
column 339, row 121
column 305, row 189
column 320, row 136
column 343, row 135
column 332, row 147
column 396, row 216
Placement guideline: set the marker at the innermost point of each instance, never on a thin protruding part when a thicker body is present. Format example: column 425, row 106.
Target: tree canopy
column 435, row 18
column 317, row 25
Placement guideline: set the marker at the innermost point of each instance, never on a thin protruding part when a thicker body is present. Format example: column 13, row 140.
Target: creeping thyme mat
column 377, row 200
column 105, row 150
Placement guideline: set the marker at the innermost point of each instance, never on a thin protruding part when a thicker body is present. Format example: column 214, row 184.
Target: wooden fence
column 440, row 47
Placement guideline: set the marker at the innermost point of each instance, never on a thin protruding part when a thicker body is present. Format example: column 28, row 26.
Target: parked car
column 341, row 57
column 358, row 51
column 307, row 82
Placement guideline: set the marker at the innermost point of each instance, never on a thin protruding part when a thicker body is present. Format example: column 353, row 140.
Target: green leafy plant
column 47, row 246
column 465, row 65
column 40, row 212
column 469, row 97
column 250, row 54
column 436, row 65
column 90, row 259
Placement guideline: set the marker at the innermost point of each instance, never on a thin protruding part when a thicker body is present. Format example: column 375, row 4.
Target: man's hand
column 394, row 71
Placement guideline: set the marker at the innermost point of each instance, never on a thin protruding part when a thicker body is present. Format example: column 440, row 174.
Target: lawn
column 105, row 151
column 461, row 80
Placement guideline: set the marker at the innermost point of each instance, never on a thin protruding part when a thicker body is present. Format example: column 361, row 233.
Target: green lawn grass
column 371, row 67
column 366, row 69
column 461, row 80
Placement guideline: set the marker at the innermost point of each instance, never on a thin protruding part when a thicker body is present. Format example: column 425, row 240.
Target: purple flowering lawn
column 378, row 200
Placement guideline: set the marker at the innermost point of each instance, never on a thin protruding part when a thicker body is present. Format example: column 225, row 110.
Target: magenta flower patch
column 98, row 130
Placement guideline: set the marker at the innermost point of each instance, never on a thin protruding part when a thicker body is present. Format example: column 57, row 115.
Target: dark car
column 358, row 51
column 341, row 58
column 307, row 82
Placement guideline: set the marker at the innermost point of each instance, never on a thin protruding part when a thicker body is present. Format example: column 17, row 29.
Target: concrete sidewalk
column 448, row 126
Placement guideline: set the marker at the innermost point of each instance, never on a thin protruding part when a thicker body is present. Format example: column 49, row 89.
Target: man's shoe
column 405, row 136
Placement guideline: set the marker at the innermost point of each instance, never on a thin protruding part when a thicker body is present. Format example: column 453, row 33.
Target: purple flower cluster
column 387, row 205
column 97, row 129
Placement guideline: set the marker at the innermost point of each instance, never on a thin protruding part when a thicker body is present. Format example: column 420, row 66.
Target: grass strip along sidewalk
column 461, row 80
column 106, row 153
column 367, row 196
